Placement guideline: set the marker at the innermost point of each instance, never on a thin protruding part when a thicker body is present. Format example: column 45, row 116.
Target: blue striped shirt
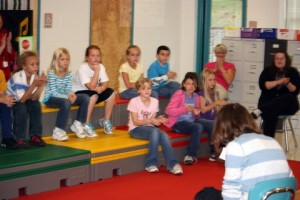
column 252, row 158
column 58, row 86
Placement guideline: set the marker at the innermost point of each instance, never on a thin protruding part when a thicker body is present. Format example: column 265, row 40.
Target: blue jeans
column 21, row 112
column 193, row 128
column 168, row 89
column 6, row 121
column 208, row 126
column 64, row 106
column 156, row 137
column 131, row 93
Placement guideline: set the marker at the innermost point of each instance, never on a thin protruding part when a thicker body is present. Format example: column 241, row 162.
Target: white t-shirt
column 17, row 84
column 143, row 112
column 85, row 74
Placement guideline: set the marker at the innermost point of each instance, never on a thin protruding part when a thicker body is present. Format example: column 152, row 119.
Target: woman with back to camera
column 279, row 86
column 250, row 157
column 224, row 71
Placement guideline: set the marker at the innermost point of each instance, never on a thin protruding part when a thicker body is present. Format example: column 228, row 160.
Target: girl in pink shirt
column 142, row 125
column 183, row 110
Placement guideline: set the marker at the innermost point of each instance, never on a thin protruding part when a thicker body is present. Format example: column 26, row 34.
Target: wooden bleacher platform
column 77, row 160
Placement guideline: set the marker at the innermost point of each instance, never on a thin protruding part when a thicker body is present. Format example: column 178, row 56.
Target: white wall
column 71, row 29
column 267, row 13
column 166, row 22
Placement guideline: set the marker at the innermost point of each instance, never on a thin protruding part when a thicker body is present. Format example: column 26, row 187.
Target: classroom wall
column 156, row 22
column 71, row 29
column 166, row 22
column 267, row 13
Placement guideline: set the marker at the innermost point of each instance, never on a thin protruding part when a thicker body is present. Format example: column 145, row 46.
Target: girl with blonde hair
column 58, row 95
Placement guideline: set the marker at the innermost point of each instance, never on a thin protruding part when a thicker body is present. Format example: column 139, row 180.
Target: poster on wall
column 13, row 24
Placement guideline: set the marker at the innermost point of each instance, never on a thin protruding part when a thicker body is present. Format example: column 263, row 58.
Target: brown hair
column 194, row 77
column 87, row 51
column 22, row 59
column 141, row 81
column 232, row 121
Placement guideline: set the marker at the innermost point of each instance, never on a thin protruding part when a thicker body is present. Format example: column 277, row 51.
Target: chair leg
column 293, row 132
column 286, row 135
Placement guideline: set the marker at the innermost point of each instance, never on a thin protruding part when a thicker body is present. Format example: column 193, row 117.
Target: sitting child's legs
column 20, row 114
column 129, row 94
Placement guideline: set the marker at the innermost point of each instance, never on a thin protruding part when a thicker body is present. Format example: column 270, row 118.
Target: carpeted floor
column 143, row 185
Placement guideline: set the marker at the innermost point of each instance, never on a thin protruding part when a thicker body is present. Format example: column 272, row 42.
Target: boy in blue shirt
column 160, row 74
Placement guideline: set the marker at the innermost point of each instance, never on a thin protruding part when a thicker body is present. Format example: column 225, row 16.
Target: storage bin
column 250, row 32
column 286, row 34
column 232, row 32
column 268, row 33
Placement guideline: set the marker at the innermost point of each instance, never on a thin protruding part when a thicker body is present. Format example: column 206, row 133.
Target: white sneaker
column 151, row 169
column 189, row 160
column 59, row 134
column 177, row 170
column 78, row 129
column 89, row 130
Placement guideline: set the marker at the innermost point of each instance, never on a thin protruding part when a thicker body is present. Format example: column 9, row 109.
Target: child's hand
column 171, row 74
column 96, row 68
column 155, row 122
column 36, row 80
column 221, row 102
column 98, row 89
column 72, row 97
column 9, row 100
column 197, row 111
column 163, row 119
column 189, row 108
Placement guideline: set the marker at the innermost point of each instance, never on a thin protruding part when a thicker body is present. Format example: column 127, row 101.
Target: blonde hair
column 209, row 94
column 221, row 48
column 141, row 81
column 132, row 47
column 56, row 55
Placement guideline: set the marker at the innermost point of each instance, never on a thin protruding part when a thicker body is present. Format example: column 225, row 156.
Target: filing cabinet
column 249, row 63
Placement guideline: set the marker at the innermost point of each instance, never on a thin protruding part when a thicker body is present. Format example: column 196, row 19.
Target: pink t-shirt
column 219, row 77
column 144, row 112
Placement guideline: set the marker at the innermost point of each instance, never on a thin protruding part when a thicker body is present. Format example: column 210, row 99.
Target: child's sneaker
column 22, row 145
column 9, row 143
column 213, row 157
column 37, row 141
column 78, row 129
column 59, row 134
column 107, row 125
column 151, row 169
column 89, row 130
column 177, row 170
column 189, row 160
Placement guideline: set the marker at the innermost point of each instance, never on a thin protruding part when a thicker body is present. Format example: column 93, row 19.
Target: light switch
column 48, row 20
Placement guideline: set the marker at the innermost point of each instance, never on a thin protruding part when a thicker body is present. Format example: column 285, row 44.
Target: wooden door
column 111, row 31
